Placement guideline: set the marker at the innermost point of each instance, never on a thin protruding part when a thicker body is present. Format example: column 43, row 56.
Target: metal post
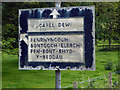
column 57, row 79
column 57, row 4
column 58, row 72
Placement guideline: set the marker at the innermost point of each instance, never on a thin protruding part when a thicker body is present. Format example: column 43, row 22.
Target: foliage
column 9, row 43
column 115, row 84
column 106, row 18
column 10, row 20
column 14, row 51
column 109, row 65
column 117, row 68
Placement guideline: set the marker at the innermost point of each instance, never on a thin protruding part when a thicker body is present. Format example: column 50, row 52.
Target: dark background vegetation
column 107, row 20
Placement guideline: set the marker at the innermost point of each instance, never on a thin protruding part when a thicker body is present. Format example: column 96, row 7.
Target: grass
column 13, row 78
column 0, row 69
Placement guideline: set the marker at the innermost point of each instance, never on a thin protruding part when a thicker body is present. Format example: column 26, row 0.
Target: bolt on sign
column 57, row 38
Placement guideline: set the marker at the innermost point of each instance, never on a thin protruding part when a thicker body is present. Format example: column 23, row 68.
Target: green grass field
column 12, row 77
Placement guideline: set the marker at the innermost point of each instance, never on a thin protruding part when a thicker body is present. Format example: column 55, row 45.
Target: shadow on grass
column 14, row 51
column 109, row 49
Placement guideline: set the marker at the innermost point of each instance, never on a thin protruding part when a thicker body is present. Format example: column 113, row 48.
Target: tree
column 107, row 21
column 10, row 19
column 106, row 18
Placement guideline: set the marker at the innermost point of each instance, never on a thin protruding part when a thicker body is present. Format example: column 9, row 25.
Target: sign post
column 57, row 79
column 57, row 72
column 57, row 38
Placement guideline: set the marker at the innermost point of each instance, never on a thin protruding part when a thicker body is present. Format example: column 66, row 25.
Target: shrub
column 9, row 43
column 109, row 65
column 14, row 51
column 117, row 68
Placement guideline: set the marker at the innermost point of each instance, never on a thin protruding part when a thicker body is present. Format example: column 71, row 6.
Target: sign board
column 67, row 42
column 56, row 48
column 55, row 25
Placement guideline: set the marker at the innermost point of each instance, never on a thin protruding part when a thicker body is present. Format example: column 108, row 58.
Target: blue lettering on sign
column 51, row 25
column 44, row 25
column 49, row 39
column 64, row 24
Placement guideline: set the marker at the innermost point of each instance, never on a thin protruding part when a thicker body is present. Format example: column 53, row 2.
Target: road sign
column 52, row 38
